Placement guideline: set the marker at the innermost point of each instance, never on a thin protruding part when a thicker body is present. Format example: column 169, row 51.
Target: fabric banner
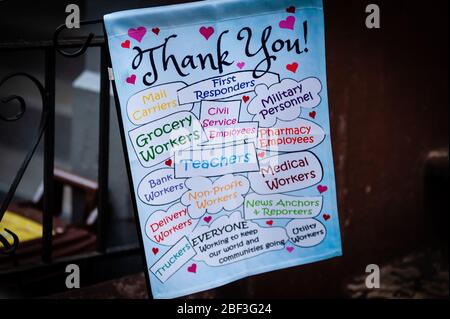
column 224, row 111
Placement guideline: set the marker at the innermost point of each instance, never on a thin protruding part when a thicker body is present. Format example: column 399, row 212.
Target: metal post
column 103, row 156
column 49, row 152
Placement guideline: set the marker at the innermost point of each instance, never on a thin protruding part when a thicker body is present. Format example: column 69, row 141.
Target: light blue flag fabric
column 224, row 109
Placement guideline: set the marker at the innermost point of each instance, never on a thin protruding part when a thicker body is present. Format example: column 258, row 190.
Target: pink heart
column 192, row 268
column 131, row 79
column 288, row 23
column 240, row 65
column 206, row 32
column 207, row 219
column 292, row 67
column 137, row 33
column 289, row 249
column 322, row 188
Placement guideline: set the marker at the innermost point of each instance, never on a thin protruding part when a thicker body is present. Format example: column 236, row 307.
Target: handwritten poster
column 224, row 111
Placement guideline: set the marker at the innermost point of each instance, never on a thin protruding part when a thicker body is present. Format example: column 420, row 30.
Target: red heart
column 125, row 44
column 326, row 217
column 168, row 162
column 131, row 79
column 245, row 98
column 207, row 219
column 312, row 114
column 155, row 250
column 192, row 268
column 269, row 222
column 206, row 32
column 322, row 188
column 155, row 31
column 292, row 67
column 291, row 9
column 261, row 154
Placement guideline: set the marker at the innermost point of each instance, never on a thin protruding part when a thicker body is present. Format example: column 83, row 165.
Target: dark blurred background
column 388, row 93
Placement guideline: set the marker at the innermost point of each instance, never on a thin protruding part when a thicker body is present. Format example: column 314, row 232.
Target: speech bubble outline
column 233, row 105
column 170, row 221
column 202, row 184
column 254, row 176
column 293, row 111
column 179, row 107
column 164, row 172
column 304, row 222
column 201, row 153
column 280, row 124
column 195, row 126
column 268, row 232
column 223, row 141
column 248, row 214
column 183, row 242
column 233, row 140
column 261, row 79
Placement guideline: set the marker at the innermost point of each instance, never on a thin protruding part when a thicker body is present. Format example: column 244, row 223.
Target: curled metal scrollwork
column 7, row 247
column 85, row 45
column 19, row 114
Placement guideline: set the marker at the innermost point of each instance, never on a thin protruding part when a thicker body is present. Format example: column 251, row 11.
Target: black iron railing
column 47, row 129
